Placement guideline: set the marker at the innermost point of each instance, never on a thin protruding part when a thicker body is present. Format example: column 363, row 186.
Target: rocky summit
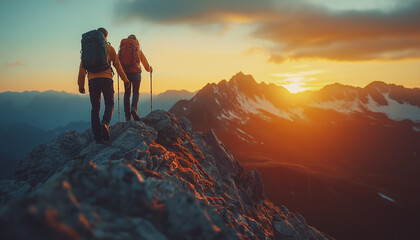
column 156, row 179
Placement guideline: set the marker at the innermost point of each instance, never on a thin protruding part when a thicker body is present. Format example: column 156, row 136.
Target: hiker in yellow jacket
column 101, row 82
column 131, row 58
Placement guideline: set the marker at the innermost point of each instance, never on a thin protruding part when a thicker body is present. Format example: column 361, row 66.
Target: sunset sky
column 300, row 44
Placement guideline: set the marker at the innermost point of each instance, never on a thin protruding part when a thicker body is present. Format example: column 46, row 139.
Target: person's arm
column 144, row 61
column 116, row 62
column 81, row 79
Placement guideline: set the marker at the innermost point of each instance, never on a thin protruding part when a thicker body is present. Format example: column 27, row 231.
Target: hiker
column 130, row 57
column 97, row 55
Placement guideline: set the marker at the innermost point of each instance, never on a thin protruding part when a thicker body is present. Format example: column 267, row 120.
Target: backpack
column 94, row 55
column 128, row 55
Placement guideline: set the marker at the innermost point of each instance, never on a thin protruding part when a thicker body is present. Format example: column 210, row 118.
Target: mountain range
column 51, row 109
column 346, row 157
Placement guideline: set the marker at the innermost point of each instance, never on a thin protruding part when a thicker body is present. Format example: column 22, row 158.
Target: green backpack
column 94, row 55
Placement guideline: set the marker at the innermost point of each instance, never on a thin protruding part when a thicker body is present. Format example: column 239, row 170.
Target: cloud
column 18, row 62
column 348, row 36
column 297, row 77
column 255, row 51
column 297, row 29
column 192, row 11
column 298, row 74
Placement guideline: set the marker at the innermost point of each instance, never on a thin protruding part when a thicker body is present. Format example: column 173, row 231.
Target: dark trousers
column 135, row 80
column 96, row 87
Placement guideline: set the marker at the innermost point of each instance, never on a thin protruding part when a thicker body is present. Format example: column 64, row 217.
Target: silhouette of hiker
column 130, row 57
column 97, row 56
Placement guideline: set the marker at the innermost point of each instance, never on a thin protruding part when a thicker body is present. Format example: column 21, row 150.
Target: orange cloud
column 344, row 36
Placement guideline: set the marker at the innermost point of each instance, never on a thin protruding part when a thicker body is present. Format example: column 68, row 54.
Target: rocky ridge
column 156, row 179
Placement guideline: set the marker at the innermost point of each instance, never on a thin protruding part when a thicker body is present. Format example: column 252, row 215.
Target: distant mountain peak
column 243, row 80
column 377, row 84
column 337, row 87
column 380, row 86
column 240, row 74
column 182, row 91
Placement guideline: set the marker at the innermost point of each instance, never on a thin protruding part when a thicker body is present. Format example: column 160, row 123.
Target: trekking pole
column 151, row 93
column 118, row 80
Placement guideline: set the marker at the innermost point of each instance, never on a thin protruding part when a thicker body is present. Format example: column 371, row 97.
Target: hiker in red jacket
column 130, row 57
column 97, row 56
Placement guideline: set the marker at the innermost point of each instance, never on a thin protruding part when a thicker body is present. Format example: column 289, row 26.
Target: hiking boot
column 136, row 117
column 105, row 132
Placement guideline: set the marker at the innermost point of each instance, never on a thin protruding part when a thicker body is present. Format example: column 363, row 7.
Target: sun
column 294, row 87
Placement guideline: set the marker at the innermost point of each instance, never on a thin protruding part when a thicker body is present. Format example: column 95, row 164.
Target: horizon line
column 180, row 90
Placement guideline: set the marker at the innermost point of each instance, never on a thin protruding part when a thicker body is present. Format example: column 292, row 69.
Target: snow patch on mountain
column 244, row 133
column 386, row 197
column 231, row 115
column 394, row 110
column 215, row 90
column 260, row 105
column 341, row 106
column 299, row 112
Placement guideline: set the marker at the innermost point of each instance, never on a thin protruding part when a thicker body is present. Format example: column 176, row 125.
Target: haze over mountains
column 51, row 109
column 346, row 157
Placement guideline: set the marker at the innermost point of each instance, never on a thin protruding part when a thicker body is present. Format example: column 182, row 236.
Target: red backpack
column 129, row 55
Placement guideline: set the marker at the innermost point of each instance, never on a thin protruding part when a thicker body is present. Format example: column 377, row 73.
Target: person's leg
column 136, row 80
column 95, row 100
column 108, row 91
column 136, row 86
column 127, row 100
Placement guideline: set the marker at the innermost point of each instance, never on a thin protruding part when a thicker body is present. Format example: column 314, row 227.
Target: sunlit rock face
column 155, row 180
